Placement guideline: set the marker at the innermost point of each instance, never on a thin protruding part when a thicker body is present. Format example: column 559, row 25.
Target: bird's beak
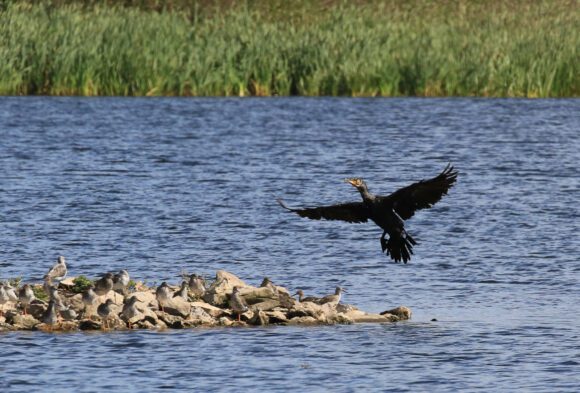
column 344, row 290
column 349, row 181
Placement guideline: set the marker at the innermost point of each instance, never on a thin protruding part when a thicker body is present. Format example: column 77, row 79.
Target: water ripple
column 164, row 185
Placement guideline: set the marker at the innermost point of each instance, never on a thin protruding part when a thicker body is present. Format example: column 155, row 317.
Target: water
column 164, row 185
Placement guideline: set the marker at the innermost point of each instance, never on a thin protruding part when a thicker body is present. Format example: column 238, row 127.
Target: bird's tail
column 400, row 248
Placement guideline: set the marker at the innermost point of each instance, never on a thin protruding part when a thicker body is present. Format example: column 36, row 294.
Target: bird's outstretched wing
column 350, row 212
column 421, row 195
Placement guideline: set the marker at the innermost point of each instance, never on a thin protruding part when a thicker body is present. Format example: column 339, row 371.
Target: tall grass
column 386, row 48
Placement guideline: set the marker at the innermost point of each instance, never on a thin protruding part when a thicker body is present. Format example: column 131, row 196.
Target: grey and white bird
column 47, row 284
column 283, row 296
column 237, row 303
column 104, row 311
column 183, row 291
column 58, row 271
column 303, row 299
column 163, row 294
column 55, row 296
column 12, row 296
column 120, row 281
column 130, row 310
column 267, row 283
column 196, row 285
column 3, row 298
column 333, row 300
column 26, row 296
column 68, row 314
column 89, row 300
column 50, row 316
column 104, row 285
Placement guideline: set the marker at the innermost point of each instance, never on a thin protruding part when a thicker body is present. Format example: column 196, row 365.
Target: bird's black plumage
column 388, row 212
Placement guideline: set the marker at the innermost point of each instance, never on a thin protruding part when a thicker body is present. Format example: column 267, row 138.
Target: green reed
column 417, row 48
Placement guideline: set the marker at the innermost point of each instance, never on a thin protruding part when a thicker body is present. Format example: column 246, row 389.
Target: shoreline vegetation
column 369, row 48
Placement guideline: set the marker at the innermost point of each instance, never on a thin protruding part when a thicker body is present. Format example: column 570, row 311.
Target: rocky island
column 110, row 303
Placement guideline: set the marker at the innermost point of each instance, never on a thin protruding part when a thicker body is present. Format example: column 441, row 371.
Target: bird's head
column 356, row 182
column 61, row 260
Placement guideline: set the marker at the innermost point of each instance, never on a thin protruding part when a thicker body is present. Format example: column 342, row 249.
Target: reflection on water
column 161, row 185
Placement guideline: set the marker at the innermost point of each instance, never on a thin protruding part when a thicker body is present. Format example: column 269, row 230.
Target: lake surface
column 161, row 186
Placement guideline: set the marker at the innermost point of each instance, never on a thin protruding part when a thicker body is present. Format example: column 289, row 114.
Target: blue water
column 161, row 186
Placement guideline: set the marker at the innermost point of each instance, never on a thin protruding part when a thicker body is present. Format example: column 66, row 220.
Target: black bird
column 388, row 212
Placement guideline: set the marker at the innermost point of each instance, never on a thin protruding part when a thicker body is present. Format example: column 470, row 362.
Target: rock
column 391, row 317
column 257, row 295
column 296, row 313
column 67, row 283
column 224, row 321
column 344, row 308
column 146, row 299
column 76, row 303
column 177, row 306
column 59, row 327
column 402, row 312
column 303, row 321
column 145, row 324
column 309, row 309
column 219, row 291
column 199, row 317
column 260, row 319
column 115, row 297
column 67, row 326
column 358, row 316
column 213, row 311
column 339, row 318
column 22, row 322
column 89, row 324
column 172, row 321
column 276, row 317
column 36, row 309
column 265, row 305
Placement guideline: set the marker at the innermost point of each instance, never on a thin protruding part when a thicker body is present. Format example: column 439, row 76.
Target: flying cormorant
column 388, row 212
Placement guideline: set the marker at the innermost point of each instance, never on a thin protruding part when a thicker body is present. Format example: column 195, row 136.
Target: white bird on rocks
column 120, row 281
column 163, row 294
column 306, row 299
column 50, row 316
column 333, row 300
column 55, row 296
column 183, row 291
column 12, row 296
column 59, row 270
column 238, row 303
column 104, row 310
column 104, row 285
column 196, row 285
column 130, row 310
column 68, row 314
column 89, row 299
column 26, row 296
column 3, row 298
column 267, row 283
column 47, row 284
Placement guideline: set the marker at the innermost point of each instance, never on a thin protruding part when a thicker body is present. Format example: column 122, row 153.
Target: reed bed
column 372, row 48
